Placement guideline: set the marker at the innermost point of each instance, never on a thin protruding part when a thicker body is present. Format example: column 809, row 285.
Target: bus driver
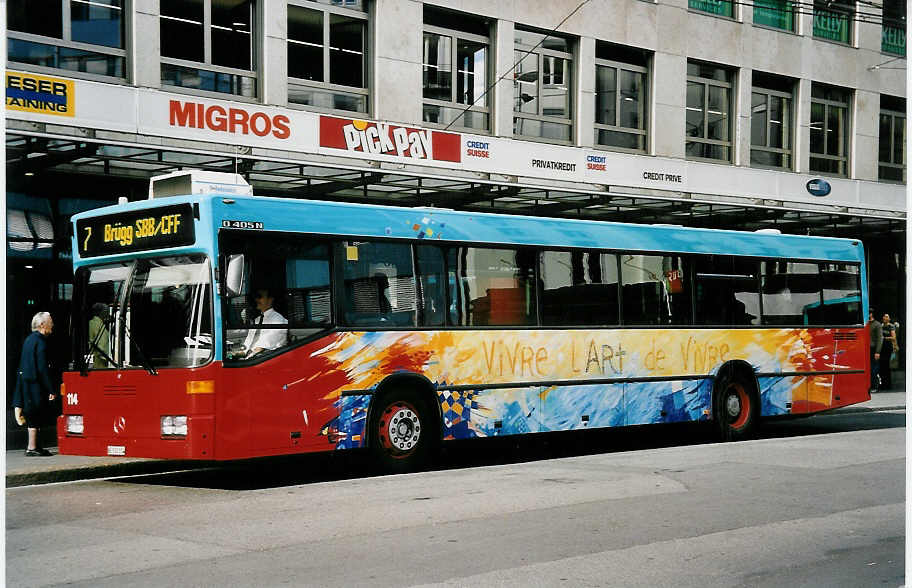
column 258, row 339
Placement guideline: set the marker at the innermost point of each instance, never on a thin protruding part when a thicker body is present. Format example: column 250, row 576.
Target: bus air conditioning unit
column 195, row 181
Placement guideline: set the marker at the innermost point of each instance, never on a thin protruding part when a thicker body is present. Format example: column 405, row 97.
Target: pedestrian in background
column 876, row 332
column 34, row 395
column 886, row 351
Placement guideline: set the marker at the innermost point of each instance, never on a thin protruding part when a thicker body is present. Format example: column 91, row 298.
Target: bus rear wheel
column 735, row 407
column 402, row 435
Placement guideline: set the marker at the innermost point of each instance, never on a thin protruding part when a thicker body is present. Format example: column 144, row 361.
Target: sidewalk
column 22, row 471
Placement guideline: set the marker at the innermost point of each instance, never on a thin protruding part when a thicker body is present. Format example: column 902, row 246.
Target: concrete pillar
column 741, row 138
column 144, row 48
column 585, row 113
column 868, row 34
column 805, row 22
column 865, row 135
column 802, row 105
column 503, row 59
column 396, row 89
column 272, row 52
column 669, row 88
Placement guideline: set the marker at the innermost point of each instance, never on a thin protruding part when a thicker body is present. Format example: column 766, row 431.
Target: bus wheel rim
column 401, row 429
column 737, row 406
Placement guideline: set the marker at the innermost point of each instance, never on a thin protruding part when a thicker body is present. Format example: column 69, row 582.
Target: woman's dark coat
column 33, row 384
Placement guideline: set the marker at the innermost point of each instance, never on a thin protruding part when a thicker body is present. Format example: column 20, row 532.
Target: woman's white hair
column 39, row 319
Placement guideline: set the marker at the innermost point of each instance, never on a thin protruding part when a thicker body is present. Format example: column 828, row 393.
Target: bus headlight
column 174, row 426
column 74, row 424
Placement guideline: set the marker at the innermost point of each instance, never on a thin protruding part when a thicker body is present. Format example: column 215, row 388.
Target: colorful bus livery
column 537, row 381
column 405, row 327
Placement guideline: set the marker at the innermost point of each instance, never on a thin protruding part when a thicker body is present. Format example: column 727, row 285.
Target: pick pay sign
column 380, row 138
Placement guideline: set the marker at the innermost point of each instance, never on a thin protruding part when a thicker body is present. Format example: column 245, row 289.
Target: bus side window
column 307, row 283
column 791, row 293
column 841, row 293
column 642, row 277
column 492, row 286
column 726, row 291
column 579, row 288
column 432, row 282
column 379, row 284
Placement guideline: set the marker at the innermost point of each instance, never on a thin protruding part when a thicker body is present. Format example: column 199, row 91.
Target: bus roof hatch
column 195, row 181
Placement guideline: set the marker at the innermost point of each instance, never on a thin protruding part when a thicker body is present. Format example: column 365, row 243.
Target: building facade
column 768, row 114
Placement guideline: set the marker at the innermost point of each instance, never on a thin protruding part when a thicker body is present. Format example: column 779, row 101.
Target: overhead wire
column 795, row 7
column 513, row 67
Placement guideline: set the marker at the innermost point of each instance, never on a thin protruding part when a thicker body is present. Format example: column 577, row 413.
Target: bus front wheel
column 735, row 407
column 401, row 432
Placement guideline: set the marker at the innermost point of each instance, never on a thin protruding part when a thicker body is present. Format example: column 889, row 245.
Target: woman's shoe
column 32, row 453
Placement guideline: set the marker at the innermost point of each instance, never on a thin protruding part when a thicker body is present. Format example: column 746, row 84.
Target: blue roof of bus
column 440, row 224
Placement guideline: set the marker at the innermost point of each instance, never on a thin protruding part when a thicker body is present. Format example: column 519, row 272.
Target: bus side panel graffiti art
column 577, row 379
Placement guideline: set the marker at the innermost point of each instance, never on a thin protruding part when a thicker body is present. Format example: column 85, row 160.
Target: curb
column 851, row 409
column 99, row 471
column 154, row 466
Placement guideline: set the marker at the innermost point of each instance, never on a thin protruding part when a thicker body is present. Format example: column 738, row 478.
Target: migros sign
column 232, row 120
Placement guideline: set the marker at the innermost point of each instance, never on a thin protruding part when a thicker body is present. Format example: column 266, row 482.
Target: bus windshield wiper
column 142, row 356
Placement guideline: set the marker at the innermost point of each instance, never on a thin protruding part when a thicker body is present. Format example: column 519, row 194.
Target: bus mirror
column 234, row 276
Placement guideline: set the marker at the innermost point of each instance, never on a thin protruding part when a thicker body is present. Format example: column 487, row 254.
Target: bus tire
column 735, row 405
column 402, row 431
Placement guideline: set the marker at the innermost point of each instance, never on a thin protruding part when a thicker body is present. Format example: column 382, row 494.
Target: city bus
column 221, row 325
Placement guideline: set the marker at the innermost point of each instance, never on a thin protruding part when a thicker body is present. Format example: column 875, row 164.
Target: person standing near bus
column 889, row 345
column 259, row 340
column 876, row 336
column 34, row 392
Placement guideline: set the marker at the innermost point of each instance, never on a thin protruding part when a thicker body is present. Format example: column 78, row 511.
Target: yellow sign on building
column 27, row 92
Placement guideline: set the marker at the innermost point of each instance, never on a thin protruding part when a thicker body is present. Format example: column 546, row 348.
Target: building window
column 709, row 98
column 778, row 14
column 620, row 97
column 829, row 136
column 892, row 144
column 717, row 7
column 833, row 22
column 209, row 45
column 455, row 70
column 327, row 55
column 771, row 122
column 541, row 87
column 893, row 33
column 75, row 35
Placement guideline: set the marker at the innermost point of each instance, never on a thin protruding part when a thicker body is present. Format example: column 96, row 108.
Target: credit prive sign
column 371, row 139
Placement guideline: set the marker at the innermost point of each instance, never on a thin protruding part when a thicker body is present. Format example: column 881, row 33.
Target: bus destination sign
column 138, row 230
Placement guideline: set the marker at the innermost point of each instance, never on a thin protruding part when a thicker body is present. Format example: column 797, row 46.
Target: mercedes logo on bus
column 818, row 187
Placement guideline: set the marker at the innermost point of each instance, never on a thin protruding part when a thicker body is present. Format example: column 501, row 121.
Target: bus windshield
column 147, row 313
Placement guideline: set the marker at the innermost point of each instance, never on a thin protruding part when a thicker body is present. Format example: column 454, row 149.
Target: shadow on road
column 315, row 468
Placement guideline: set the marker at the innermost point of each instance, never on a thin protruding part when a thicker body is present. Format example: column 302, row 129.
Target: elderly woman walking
column 34, row 392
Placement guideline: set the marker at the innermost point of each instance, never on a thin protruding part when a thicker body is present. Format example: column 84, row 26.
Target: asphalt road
column 815, row 502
